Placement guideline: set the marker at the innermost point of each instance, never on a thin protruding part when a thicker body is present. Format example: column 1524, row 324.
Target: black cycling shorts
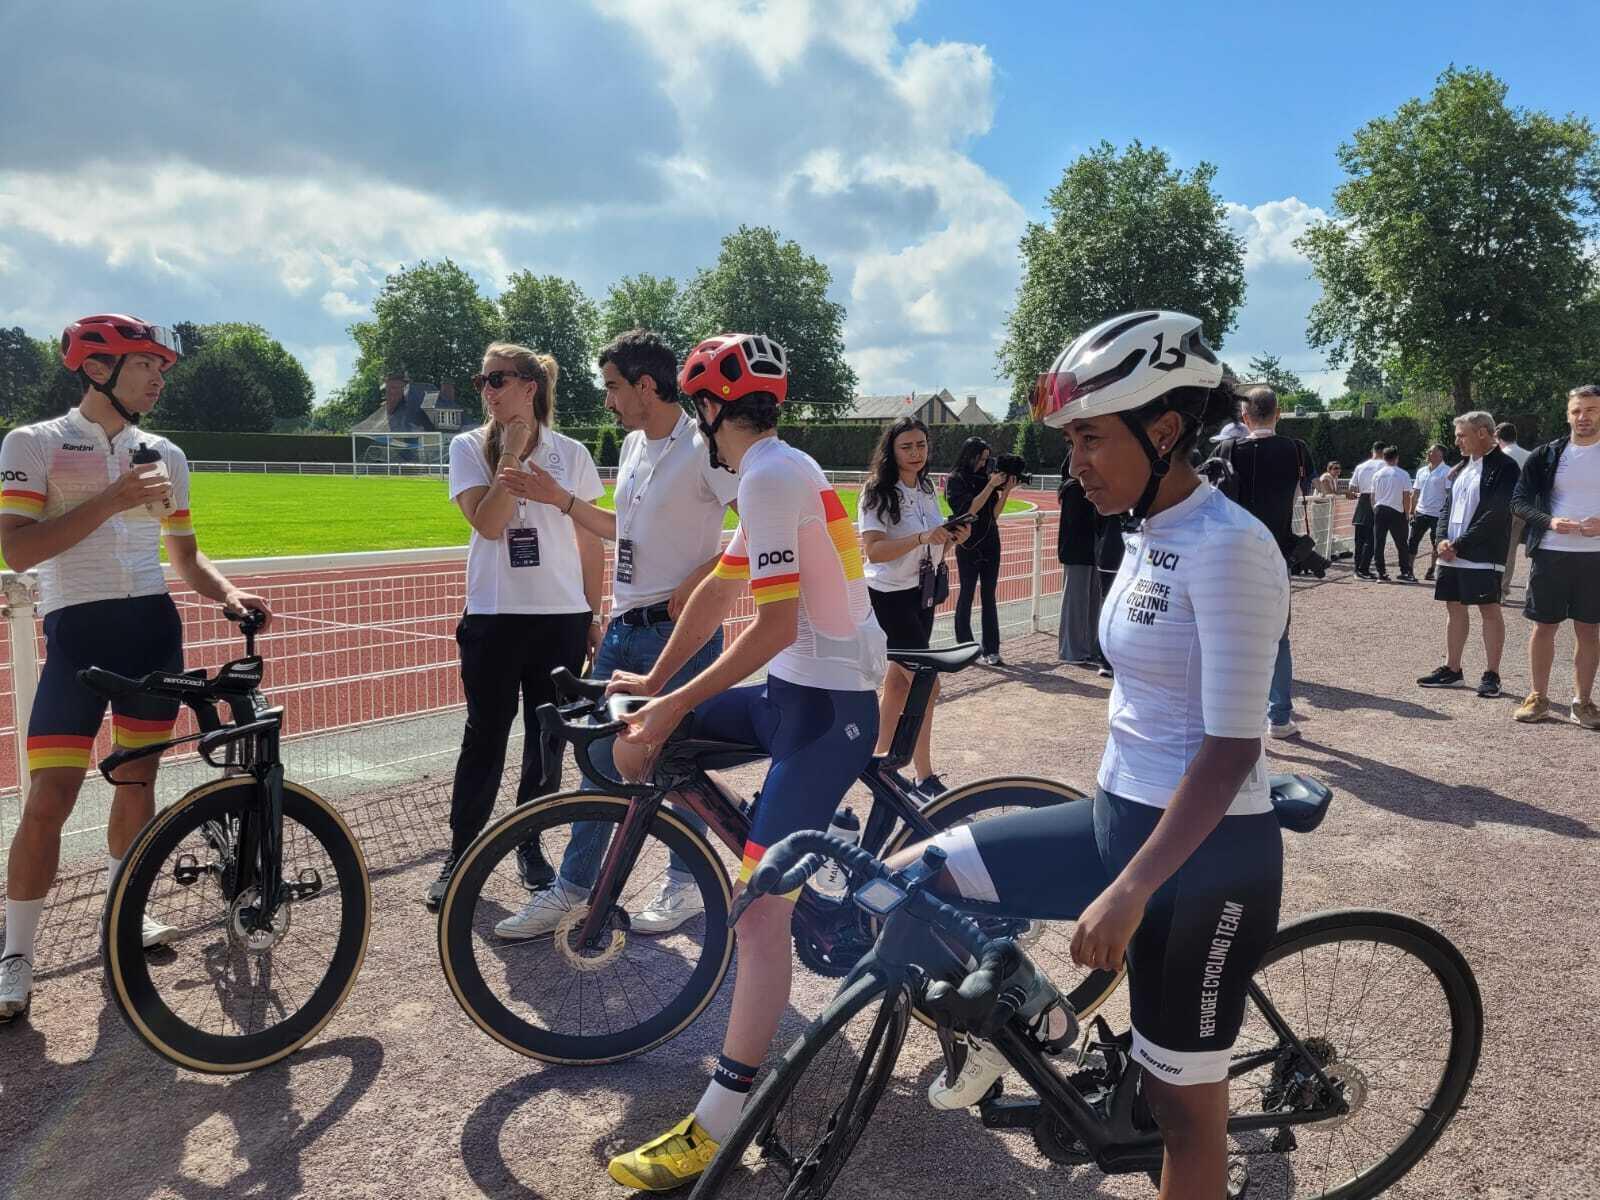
column 1204, row 931
column 1563, row 585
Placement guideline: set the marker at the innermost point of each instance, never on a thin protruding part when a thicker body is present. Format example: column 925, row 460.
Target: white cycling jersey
column 795, row 540
column 1191, row 626
column 52, row 467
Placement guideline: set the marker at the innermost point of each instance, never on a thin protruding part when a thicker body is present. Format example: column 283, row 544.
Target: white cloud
column 337, row 304
column 1269, row 230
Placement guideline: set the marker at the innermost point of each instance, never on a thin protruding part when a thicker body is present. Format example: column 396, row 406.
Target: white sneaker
column 674, row 904
column 16, row 986
column 984, row 1065
column 1287, row 730
column 543, row 911
column 155, row 933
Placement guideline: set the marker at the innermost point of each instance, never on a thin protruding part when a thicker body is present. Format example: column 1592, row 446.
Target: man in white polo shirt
column 1390, row 486
column 1428, row 495
column 667, row 527
column 1365, row 520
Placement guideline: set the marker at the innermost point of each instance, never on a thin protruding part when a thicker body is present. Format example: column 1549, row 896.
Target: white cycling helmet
column 1124, row 364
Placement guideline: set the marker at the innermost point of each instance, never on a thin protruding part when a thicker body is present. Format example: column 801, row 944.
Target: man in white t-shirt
column 1365, row 519
column 1430, row 491
column 1390, row 487
column 1558, row 495
column 667, row 528
column 1505, row 434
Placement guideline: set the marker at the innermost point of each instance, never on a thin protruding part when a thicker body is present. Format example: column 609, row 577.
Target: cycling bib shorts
column 131, row 636
column 1203, row 934
column 819, row 740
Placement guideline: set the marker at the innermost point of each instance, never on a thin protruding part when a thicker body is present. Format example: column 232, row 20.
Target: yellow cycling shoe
column 673, row 1160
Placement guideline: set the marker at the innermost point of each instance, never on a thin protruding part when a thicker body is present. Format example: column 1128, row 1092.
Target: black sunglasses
column 497, row 379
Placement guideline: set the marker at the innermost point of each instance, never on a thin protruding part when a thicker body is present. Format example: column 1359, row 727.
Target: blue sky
column 272, row 162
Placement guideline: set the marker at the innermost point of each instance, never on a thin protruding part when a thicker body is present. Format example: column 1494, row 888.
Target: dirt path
column 1446, row 810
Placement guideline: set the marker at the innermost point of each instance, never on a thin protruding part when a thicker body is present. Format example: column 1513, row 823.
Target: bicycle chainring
column 1292, row 1086
column 835, row 961
column 1058, row 1143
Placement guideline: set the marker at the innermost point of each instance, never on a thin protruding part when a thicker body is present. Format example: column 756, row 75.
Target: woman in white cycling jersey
column 1182, row 822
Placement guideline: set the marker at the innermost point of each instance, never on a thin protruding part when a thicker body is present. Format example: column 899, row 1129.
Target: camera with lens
column 1013, row 465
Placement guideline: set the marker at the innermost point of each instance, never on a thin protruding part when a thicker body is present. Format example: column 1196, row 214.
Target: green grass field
column 264, row 516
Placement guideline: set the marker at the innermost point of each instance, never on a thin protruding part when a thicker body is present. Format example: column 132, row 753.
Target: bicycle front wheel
column 1047, row 943
column 225, row 996
column 1391, row 1013
column 537, row 990
column 804, row 1120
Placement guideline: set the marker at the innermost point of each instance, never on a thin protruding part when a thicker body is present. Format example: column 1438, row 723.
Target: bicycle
column 228, row 994
column 643, row 990
column 1305, row 1074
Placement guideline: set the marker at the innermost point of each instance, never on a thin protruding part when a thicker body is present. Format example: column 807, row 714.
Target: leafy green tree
column 1458, row 240
column 1323, row 447
column 552, row 315
column 645, row 302
column 22, row 374
column 1028, row 444
column 344, row 408
column 1125, row 231
column 762, row 284
column 1269, row 369
column 216, row 390
column 285, row 379
column 607, row 449
column 429, row 320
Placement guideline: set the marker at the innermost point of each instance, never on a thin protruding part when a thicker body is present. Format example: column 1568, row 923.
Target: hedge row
column 849, row 447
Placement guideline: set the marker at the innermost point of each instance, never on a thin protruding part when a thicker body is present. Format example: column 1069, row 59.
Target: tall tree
column 1125, row 231
column 552, row 315
column 1269, row 369
column 764, row 284
column 645, row 302
column 1458, row 240
column 291, row 388
column 428, row 320
column 217, row 390
column 22, row 372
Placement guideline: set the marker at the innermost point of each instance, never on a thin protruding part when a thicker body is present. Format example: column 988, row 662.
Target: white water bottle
column 832, row 880
column 146, row 456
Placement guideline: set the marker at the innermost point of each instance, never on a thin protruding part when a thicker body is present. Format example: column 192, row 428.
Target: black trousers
column 980, row 573
column 1392, row 524
column 1424, row 525
column 1365, row 530
column 505, row 658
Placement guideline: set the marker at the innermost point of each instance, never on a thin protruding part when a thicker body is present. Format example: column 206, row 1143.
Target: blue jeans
column 1280, row 707
column 627, row 648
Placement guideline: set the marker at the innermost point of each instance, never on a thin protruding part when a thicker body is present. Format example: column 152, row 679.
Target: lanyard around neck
column 625, row 520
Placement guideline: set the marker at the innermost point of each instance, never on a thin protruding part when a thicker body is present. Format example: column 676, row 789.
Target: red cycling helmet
column 116, row 334
column 730, row 366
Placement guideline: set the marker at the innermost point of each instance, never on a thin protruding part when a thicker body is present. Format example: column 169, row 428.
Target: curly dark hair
column 639, row 352
column 881, row 493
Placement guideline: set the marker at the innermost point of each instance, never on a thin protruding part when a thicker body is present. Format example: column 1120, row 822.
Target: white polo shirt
column 54, row 466
column 1361, row 477
column 919, row 512
column 670, row 505
column 1389, row 488
column 533, row 566
column 1433, row 488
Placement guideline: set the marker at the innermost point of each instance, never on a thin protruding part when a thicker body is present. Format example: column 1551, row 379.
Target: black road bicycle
column 596, row 990
column 1361, row 1037
column 261, row 878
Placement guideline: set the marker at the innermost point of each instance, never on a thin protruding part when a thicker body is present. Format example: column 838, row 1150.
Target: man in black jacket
column 1269, row 473
column 1558, row 497
column 1472, row 554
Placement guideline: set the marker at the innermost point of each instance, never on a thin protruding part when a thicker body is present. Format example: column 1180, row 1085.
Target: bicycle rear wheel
column 800, row 1127
column 554, row 1000
column 1391, row 1012
column 223, row 998
column 1047, row 943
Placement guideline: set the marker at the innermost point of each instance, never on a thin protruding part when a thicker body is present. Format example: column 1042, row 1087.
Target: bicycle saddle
column 1300, row 801
column 952, row 658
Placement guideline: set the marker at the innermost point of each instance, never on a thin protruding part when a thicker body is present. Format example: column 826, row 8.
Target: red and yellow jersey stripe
column 59, row 750
column 179, row 524
column 751, row 860
column 775, row 587
column 732, row 566
column 131, row 733
column 21, row 502
column 843, row 535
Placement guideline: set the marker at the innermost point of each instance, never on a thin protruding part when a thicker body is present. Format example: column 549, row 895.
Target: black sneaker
column 1384, row 579
column 1442, row 677
column 932, row 786
column 1368, row 575
column 1407, row 577
column 532, row 869
column 436, row 890
column 1489, row 685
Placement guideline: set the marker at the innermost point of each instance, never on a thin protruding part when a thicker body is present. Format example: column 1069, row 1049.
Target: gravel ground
column 1446, row 810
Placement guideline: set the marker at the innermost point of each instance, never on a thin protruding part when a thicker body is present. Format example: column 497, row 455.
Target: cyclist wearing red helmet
column 816, row 715
column 86, row 499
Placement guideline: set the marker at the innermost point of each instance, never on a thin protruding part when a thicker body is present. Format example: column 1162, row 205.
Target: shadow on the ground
column 1338, row 699
column 1407, row 794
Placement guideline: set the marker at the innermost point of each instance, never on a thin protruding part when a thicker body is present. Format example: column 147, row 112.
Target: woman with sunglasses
column 533, row 590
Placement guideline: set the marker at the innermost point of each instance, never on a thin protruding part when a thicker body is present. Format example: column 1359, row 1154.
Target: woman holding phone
column 974, row 488
column 904, row 534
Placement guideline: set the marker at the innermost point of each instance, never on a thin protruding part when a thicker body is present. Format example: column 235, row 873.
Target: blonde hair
column 542, row 370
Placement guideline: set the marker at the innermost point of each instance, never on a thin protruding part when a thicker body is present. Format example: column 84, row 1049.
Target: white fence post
column 1038, row 569
column 21, row 592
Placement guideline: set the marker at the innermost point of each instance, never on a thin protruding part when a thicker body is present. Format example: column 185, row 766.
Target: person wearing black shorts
column 1558, row 497
column 1472, row 554
column 903, row 538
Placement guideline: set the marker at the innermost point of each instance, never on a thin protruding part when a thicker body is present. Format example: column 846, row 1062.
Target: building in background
column 932, row 408
column 413, row 424
column 973, row 415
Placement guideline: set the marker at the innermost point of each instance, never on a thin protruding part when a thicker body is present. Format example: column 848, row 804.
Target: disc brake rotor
column 583, row 959
column 257, row 941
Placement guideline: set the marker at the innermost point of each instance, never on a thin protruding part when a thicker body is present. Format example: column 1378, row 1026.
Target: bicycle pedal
column 998, row 1113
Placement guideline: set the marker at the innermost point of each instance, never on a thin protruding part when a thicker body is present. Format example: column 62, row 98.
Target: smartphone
column 961, row 522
